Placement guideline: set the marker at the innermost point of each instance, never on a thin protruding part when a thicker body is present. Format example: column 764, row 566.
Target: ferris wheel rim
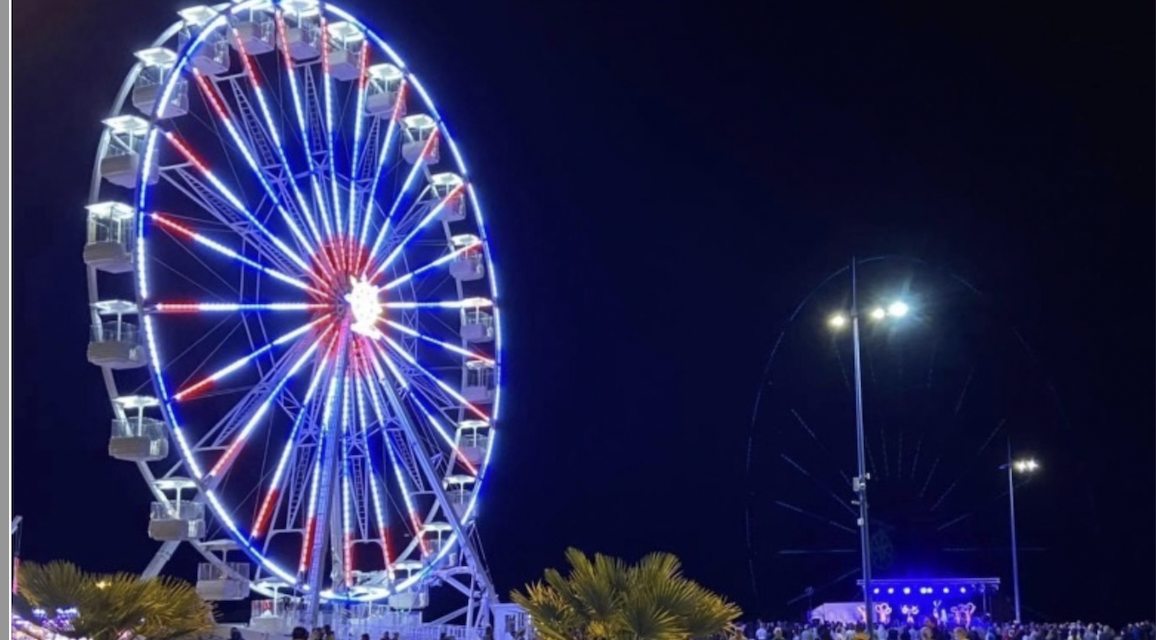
column 173, row 425
column 805, row 301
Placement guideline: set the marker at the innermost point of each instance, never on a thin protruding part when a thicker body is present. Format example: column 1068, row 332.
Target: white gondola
column 212, row 57
column 477, row 321
column 417, row 131
column 115, row 343
column 436, row 535
column 216, row 583
column 137, row 437
column 177, row 519
column 449, row 193
column 157, row 65
column 383, row 91
column 110, row 237
column 470, row 264
column 415, row 598
column 474, row 440
column 121, row 160
column 302, row 36
column 345, row 45
column 480, row 383
column 460, row 493
column 254, row 30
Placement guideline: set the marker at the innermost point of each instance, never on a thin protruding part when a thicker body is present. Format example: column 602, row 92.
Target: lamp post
column 896, row 309
column 1012, row 467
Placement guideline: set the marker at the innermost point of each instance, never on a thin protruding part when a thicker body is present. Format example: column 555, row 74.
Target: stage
column 951, row 601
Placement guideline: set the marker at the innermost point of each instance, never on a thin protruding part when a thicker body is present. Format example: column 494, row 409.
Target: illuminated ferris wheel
column 293, row 305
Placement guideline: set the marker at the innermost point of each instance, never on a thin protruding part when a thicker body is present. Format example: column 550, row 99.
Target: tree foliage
column 114, row 606
column 604, row 598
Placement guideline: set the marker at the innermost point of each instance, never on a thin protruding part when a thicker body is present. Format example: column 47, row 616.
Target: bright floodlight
column 1026, row 466
column 898, row 309
column 878, row 313
column 837, row 321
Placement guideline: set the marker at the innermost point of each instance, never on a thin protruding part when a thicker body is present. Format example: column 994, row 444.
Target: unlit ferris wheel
column 293, row 306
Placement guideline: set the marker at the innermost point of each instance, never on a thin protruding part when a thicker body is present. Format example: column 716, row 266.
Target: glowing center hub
column 365, row 307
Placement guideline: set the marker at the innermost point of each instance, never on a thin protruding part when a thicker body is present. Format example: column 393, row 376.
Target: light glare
column 838, row 321
column 898, row 309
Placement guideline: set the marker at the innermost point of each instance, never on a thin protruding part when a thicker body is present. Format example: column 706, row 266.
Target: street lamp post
column 859, row 484
column 1022, row 466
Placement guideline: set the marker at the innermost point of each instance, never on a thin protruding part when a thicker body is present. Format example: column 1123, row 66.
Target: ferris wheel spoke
column 231, row 307
column 234, row 201
column 446, row 259
column 223, row 214
column 330, row 134
column 408, row 357
column 416, row 170
column 382, row 156
column 355, row 162
column 444, row 345
column 346, row 488
column 182, row 230
column 275, row 135
column 443, row 435
column 430, row 216
column 303, row 125
column 379, row 355
column 445, row 304
column 273, row 494
column 374, row 480
column 225, row 461
column 328, row 441
column 377, row 403
column 202, row 385
column 224, row 115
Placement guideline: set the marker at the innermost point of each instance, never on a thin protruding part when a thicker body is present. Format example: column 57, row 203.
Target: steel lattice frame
column 317, row 301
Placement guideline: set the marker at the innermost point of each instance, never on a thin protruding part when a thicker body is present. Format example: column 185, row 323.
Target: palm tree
column 113, row 606
column 605, row 599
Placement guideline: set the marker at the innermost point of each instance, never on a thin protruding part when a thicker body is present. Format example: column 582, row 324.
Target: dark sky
column 665, row 181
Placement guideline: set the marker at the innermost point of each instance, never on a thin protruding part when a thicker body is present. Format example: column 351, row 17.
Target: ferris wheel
column 949, row 386
column 293, row 305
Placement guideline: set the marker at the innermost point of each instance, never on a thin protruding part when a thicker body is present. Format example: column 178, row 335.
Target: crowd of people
column 932, row 629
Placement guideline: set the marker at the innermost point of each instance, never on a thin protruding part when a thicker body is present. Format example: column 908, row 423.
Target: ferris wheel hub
column 365, row 306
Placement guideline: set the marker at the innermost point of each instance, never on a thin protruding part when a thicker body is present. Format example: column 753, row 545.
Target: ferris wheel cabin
column 477, row 323
column 480, row 382
column 459, row 493
column 344, row 51
column 224, row 581
column 121, row 160
column 177, row 519
column 383, row 90
column 416, row 133
column 302, row 36
column 137, row 437
column 447, row 190
column 414, row 598
column 212, row 57
column 469, row 266
column 157, row 64
column 436, row 535
column 474, row 440
column 254, row 29
column 110, row 237
column 115, row 343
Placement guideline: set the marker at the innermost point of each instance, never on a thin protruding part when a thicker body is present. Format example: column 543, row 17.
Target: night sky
column 665, row 182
